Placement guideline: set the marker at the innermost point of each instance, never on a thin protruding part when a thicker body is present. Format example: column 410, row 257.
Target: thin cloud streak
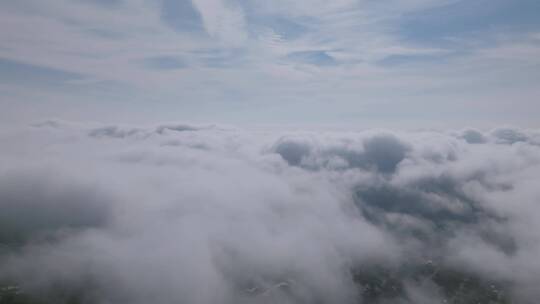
column 249, row 55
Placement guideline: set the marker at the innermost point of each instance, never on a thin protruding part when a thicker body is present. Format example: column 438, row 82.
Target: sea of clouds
column 200, row 214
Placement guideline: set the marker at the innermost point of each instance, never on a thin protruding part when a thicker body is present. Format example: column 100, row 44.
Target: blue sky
column 415, row 63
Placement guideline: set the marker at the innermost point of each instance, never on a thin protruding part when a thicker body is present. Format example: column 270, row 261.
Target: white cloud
column 223, row 21
column 242, row 59
column 210, row 213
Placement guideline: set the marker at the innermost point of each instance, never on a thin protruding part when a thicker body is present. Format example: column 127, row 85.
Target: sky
column 235, row 151
column 393, row 63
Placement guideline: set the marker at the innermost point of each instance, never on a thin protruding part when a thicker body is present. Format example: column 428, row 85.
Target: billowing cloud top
column 215, row 214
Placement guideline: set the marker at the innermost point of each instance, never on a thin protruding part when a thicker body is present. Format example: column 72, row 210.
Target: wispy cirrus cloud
column 341, row 57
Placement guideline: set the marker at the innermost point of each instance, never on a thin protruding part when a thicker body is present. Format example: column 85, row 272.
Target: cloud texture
column 214, row 214
column 395, row 63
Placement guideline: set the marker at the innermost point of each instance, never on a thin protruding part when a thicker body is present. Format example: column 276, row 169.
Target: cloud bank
column 215, row 214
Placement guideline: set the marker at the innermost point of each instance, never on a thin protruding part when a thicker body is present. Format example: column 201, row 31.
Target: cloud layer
column 215, row 214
